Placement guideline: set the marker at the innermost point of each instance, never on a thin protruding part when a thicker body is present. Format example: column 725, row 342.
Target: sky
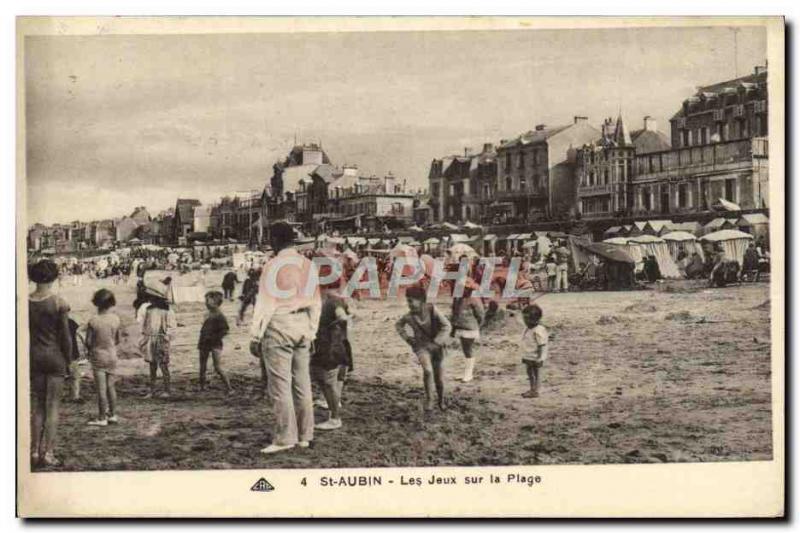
column 114, row 122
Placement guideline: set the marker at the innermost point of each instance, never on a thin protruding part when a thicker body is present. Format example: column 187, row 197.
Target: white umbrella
column 471, row 225
column 617, row 240
column 725, row 235
column 646, row 239
column 679, row 236
column 459, row 249
column 403, row 250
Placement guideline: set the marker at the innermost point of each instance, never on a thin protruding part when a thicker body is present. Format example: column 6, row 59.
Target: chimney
column 650, row 124
column 388, row 184
column 577, row 119
column 488, row 147
column 466, row 151
column 540, row 127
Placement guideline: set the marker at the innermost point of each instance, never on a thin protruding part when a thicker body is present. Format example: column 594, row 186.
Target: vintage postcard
column 400, row 267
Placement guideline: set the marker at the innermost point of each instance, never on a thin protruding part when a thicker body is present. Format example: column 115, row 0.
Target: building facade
column 695, row 178
column 461, row 187
column 727, row 111
column 604, row 169
column 535, row 171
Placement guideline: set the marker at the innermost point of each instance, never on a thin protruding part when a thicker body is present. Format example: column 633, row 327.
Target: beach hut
column 756, row 224
column 658, row 248
column 734, row 242
column 682, row 241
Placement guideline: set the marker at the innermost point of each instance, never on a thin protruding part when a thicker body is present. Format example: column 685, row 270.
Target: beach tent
column 449, row 226
column 470, row 225
column 658, row 248
column 607, row 251
column 654, row 227
column 734, row 242
column 637, row 229
column 679, row 241
column 718, row 224
column 756, row 224
column 695, row 228
column 432, row 240
column 415, row 228
column 633, row 249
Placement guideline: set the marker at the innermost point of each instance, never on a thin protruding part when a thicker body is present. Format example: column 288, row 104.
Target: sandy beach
column 676, row 373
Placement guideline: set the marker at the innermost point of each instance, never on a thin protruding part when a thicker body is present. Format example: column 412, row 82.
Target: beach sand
column 676, row 373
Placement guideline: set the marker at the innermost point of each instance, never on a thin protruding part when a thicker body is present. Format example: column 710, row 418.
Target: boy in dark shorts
column 214, row 328
column 533, row 345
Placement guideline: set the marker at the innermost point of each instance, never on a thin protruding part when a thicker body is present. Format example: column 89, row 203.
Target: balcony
column 517, row 194
column 698, row 160
column 591, row 190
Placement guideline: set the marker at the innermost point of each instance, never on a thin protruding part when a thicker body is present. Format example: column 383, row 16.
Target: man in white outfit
column 285, row 322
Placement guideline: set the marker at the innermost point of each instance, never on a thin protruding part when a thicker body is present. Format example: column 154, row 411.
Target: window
column 703, row 135
column 646, row 199
column 730, row 190
column 521, row 160
column 605, row 176
column 434, row 189
column 508, row 183
column 508, row 161
column 686, row 138
column 535, row 157
column 683, row 195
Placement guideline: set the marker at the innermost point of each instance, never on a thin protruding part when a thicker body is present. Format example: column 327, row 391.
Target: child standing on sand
column 214, row 328
column 102, row 338
column 430, row 330
column 533, row 345
column 552, row 272
column 158, row 327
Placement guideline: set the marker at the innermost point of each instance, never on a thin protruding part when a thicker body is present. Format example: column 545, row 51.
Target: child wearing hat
column 158, row 327
column 534, row 348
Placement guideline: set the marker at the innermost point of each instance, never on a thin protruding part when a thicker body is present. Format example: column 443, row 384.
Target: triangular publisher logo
column 262, row 485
